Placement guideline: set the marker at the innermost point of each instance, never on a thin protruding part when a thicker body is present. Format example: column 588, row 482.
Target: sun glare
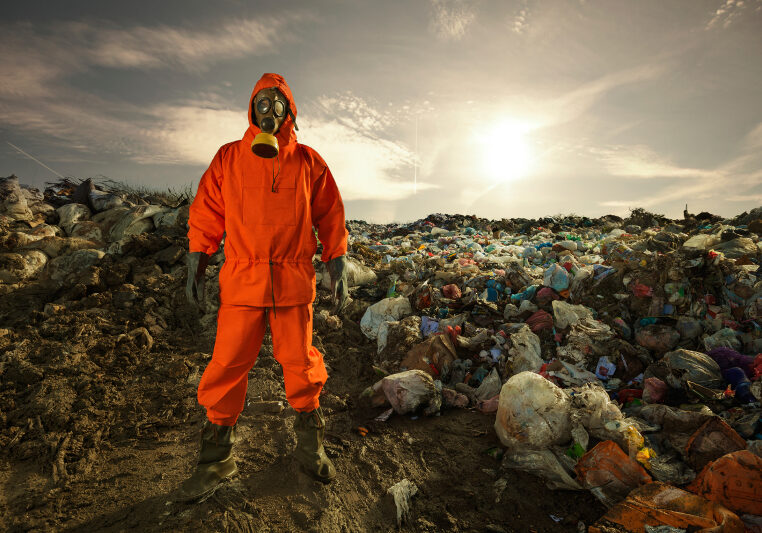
column 506, row 153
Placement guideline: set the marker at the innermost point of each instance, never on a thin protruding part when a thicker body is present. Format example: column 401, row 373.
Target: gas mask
column 269, row 109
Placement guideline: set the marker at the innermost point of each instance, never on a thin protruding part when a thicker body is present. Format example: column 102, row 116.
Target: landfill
column 555, row 374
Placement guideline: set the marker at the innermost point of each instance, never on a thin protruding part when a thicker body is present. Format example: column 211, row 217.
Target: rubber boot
column 215, row 462
column 310, row 430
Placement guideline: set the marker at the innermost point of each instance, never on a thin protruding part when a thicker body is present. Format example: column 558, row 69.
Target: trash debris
column 609, row 473
column 407, row 392
column 711, row 441
column 533, row 413
column 657, row 504
column 402, row 492
column 680, row 366
column 543, row 464
column 643, row 332
column 525, row 351
column 435, row 355
column 387, row 310
column 734, row 480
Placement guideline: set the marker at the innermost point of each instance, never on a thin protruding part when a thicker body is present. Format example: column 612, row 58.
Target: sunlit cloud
column 38, row 98
column 640, row 161
column 451, row 18
column 38, row 56
column 364, row 165
column 756, row 198
column 520, row 23
column 732, row 10
column 354, row 112
column 616, row 203
column 740, row 174
column 190, row 133
column 577, row 102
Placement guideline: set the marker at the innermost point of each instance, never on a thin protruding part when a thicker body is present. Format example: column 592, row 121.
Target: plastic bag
column 556, row 277
column 525, row 353
column 489, row 387
column 657, row 504
column 609, row 473
column 594, row 410
column 679, row 366
column 532, row 413
column 654, row 390
column 725, row 338
column 543, row 464
column 387, row 310
column 657, row 337
column 402, row 492
column 566, row 314
column 409, row 391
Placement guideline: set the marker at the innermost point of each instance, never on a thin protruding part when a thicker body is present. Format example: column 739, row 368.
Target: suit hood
column 286, row 133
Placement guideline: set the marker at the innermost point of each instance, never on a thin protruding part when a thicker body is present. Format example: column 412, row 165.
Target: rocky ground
column 100, row 357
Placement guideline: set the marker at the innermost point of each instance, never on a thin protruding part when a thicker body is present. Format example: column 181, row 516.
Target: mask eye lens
column 279, row 108
column 263, row 105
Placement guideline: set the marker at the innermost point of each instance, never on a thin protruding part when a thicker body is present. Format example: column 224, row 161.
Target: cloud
column 639, row 161
column 520, row 22
column 189, row 133
column 184, row 132
column 451, row 18
column 575, row 103
column 348, row 132
column 354, row 112
column 38, row 98
column 39, row 56
column 732, row 10
column 740, row 174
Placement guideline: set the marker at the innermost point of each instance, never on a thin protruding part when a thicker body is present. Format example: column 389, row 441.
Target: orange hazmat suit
column 266, row 209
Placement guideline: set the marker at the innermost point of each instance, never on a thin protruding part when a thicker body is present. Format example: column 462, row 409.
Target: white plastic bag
column 387, row 310
column 409, row 391
column 565, row 315
column 532, row 413
column 543, row 464
column 526, row 352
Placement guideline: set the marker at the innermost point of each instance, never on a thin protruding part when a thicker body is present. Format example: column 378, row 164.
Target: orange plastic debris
column 609, row 473
column 711, row 441
column 734, row 480
column 657, row 504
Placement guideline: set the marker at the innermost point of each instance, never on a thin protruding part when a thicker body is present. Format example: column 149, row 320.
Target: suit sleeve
column 207, row 212
column 328, row 216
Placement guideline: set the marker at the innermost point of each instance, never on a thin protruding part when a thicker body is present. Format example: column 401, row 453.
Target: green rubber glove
column 337, row 268
column 194, row 289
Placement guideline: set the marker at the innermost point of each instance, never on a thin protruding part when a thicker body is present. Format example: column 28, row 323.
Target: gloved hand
column 337, row 268
column 194, row 289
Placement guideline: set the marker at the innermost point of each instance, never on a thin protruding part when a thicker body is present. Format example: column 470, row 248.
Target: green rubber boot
column 215, row 463
column 310, row 429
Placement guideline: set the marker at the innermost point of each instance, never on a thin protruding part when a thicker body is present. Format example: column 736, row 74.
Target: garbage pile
column 616, row 354
column 619, row 356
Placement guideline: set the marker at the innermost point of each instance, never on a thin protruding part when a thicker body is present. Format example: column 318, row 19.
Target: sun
column 506, row 153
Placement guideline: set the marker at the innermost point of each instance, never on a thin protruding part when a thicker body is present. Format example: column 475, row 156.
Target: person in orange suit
column 264, row 193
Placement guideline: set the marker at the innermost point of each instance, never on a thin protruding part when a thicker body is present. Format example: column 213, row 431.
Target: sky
column 500, row 109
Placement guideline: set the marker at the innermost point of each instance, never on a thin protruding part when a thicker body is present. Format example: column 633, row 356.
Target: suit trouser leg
column 222, row 389
column 304, row 372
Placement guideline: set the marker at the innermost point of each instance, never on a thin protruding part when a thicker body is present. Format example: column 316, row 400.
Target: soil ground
column 113, row 430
